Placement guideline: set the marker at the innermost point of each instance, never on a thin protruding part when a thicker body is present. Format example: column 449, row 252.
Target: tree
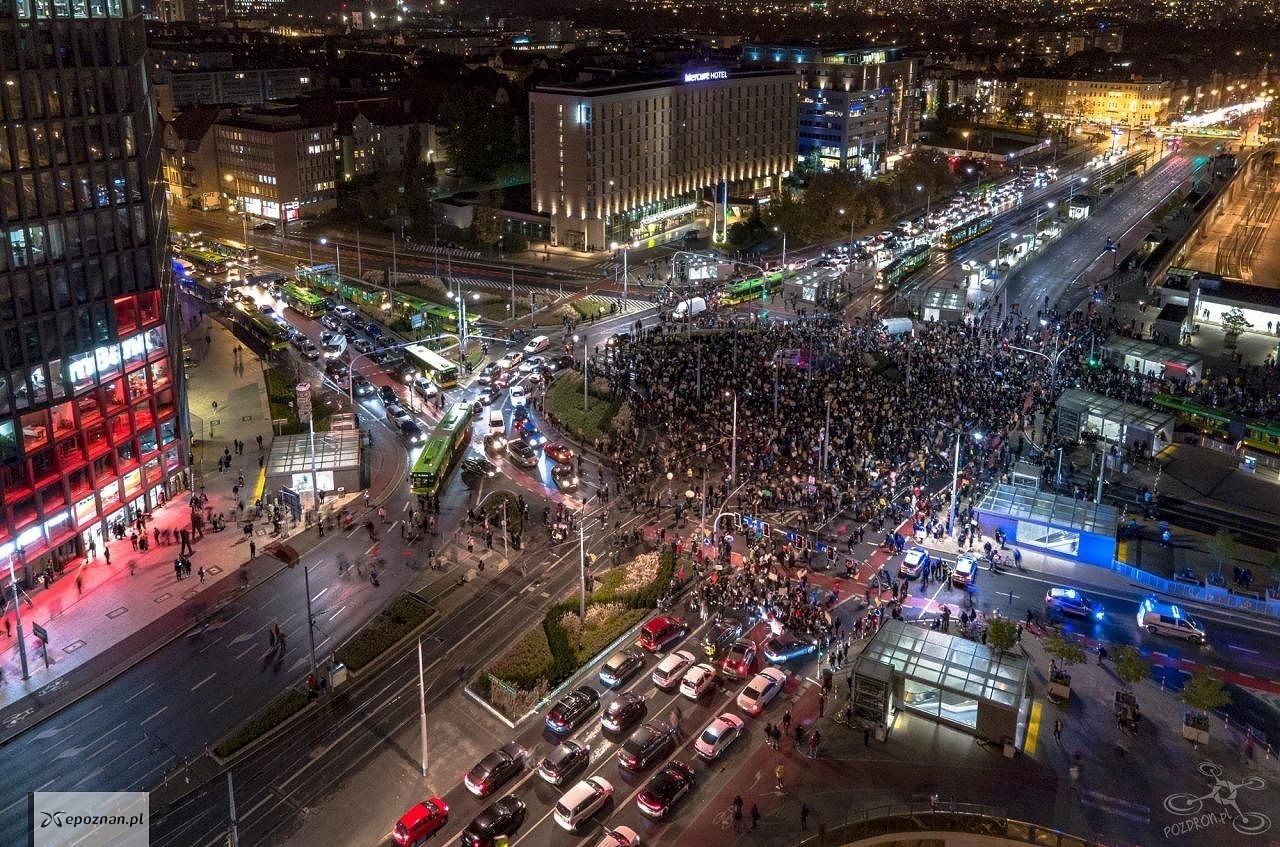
column 1234, row 323
column 1222, row 548
column 1130, row 664
column 1002, row 634
column 1066, row 652
column 1205, row 692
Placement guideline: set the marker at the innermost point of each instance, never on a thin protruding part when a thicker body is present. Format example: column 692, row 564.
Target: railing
column 946, row 816
column 1209, row 595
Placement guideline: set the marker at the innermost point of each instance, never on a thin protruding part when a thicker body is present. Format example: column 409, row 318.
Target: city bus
column 447, row 442
column 240, row 252
column 205, row 261
column 304, row 302
column 896, row 272
column 445, row 319
column 1263, row 436
column 260, row 327
column 966, row 232
column 435, row 367
column 750, row 289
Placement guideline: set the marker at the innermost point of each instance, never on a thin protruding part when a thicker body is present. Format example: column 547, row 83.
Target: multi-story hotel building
column 92, row 400
column 277, row 163
column 857, row 109
column 1113, row 102
column 633, row 162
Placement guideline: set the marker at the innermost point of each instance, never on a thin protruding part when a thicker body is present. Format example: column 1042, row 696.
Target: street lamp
column 337, row 250
column 1007, row 237
column 733, row 449
column 1035, row 234
column 585, row 377
column 928, row 201
column 784, row 251
column 955, row 478
column 456, row 296
column 1083, row 181
column 626, row 249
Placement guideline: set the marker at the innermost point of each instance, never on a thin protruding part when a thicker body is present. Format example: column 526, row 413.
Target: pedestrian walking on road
column 777, row 776
column 822, row 703
column 804, row 816
column 8, row 628
column 786, row 721
column 1057, row 731
column 866, row 736
column 253, row 549
column 200, row 573
column 79, row 586
column 755, row 816
column 106, row 554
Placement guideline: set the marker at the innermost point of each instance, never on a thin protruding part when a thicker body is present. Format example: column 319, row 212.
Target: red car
column 420, row 821
column 559, row 451
column 737, row 663
column 662, row 632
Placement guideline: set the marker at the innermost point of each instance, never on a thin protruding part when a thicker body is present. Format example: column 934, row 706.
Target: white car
column 761, row 690
column 667, row 674
column 531, row 364
column 623, row 836
column 698, row 680
column 582, row 801
column 510, row 360
column 536, row 345
column 518, row 396
column 718, row 735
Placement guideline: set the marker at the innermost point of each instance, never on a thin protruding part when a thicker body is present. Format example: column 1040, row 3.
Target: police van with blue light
column 1160, row 618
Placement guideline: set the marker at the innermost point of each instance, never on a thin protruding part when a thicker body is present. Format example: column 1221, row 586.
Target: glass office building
column 92, row 398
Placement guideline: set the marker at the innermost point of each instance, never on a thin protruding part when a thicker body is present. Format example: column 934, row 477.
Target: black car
column 388, row 394
column 562, row 763
column 495, row 769
column 650, row 742
column 556, row 364
column 501, row 818
column 665, row 788
column 573, row 709
column 361, row 387
column 488, row 372
column 478, row 464
column 624, row 713
column 721, row 633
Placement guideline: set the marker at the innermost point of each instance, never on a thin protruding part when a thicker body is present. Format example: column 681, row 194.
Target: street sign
column 40, row 632
column 292, row 501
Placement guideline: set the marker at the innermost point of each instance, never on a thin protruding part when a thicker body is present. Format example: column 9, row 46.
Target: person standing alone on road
column 777, row 776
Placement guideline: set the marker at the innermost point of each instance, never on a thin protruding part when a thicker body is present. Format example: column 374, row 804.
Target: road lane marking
column 157, row 713
column 203, row 681
column 1242, row 649
column 139, row 692
column 218, row 706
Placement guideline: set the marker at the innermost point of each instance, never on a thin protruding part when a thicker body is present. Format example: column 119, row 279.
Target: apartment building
column 277, row 162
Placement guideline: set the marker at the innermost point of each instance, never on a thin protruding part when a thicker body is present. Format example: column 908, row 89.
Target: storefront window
column 80, row 368
column 147, row 438
column 63, row 420
column 132, row 484
column 35, row 431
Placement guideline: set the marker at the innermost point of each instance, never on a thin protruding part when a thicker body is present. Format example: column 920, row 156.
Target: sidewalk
column 103, row 617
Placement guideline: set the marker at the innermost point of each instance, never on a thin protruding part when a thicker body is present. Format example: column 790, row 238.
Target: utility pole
column 311, row 621
column 17, row 611
column 422, row 708
column 233, row 836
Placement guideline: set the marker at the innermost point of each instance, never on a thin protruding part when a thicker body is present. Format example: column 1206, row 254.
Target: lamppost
column 850, row 255
column 1035, row 234
column 1083, row 181
column 1052, row 360
column 337, row 250
column 965, row 133
column 585, row 377
column 17, row 609
column 1007, row 237
column 626, row 249
column 456, row 296
column 955, row 478
column 733, row 449
column 928, row 201
column 784, row 251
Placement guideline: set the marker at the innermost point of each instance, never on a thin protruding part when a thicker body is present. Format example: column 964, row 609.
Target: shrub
column 564, row 403
column 279, row 710
column 402, row 616
column 526, row 664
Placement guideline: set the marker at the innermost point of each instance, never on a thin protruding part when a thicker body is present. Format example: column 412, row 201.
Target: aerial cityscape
column 597, row 424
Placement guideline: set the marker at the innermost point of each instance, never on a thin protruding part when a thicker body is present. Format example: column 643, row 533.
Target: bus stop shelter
column 943, row 678
column 1156, row 361
column 1083, row 414
column 1057, row 524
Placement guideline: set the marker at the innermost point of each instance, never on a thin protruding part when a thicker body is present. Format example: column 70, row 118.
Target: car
column 965, row 571
column 563, row 762
column 337, row 368
column 387, row 394
column 411, row 432
column 565, row 477
column 362, row 345
column 624, row 713
column 646, row 745
column 518, row 396
column 424, row 387
column 761, row 690
column 309, row 349
column 420, row 821
column 722, row 632
column 522, row 454
column 495, row 443
column 665, row 789
column 488, row 372
column 519, row 414
column 914, row 562
column 479, row 465
column 264, row 226
column 487, row 395
column 698, row 680
column 536, row 345
column 396, row 414
column 361, row 386
column 1072, row 602
column 500, row 818
column 343, row 312
column 622, row 836
column 496, row 769
column 558, row 451
column 621, row 666
column 740, row 659
column 373, row 330
column 582, row 801
column 573, row 709
column 502, row 380
column 661, row 632
column 529, row 432
column 556, row 364
column 670, row 670
column 1160, row 618
column 531, row 364
column 786, row 646
column 510, row 360
column 718, row 736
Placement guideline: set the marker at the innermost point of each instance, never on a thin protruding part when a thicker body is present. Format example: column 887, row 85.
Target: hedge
column 284, row 706
column 402, row 616
column 527, row 663
column 564, row 406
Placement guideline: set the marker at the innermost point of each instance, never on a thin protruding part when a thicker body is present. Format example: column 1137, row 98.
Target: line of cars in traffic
column 643, row 741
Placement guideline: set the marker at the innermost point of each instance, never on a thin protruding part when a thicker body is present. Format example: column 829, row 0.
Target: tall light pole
column 1007, row 237
column 626, row 249
column 1083, row 181
column 928, row 201
column 17, row 609
column 955, row 479
column 1035, row 233
column 337, row 250
column 784, row 251
column 826, row 439
column 733, row 449
column 585, row 377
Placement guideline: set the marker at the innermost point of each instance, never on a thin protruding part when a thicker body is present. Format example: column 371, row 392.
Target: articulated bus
column 967, row 231
column 205, row 261
column 260, row 327
column 1263, row 436
column 447, row 442
column 304, row 302
column 896, row 272
column 241, row 253
column 750, row 289
column 438, row 369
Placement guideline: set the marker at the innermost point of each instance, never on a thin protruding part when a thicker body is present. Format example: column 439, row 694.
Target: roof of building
column 625, row 82
column 194, row 124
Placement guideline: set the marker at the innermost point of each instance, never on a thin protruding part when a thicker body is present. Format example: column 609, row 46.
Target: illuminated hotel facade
column 635, row 162
column 92, row 396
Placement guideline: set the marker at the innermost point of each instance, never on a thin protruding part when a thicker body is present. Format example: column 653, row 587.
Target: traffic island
column 602, row 417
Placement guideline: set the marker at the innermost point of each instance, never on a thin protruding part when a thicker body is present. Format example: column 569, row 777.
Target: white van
column 536, row 345
column 893, row 327
column 690, row 308
column 1167, row 619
